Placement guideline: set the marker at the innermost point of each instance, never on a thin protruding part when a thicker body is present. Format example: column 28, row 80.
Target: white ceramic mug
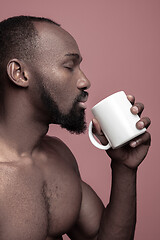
column 116, row 120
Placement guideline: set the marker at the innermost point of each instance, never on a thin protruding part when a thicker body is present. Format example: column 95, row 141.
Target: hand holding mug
column 125, row 127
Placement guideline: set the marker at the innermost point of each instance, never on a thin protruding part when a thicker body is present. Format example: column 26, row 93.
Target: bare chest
column 62, row 195
column 34, row 206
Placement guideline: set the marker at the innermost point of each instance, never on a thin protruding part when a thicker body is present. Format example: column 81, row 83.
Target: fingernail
column 133, row 144
column 141, row 125
column 135, row 109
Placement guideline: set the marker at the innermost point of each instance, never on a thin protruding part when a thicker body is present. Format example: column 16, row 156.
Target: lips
column 82, row 99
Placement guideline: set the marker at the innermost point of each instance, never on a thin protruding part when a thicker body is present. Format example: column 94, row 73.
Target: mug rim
column 97, row 104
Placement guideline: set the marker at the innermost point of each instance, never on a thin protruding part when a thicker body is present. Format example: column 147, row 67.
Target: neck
column 21, row 130
column 20, row 138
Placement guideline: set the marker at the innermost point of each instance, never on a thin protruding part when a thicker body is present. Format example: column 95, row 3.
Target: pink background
column 120, row 43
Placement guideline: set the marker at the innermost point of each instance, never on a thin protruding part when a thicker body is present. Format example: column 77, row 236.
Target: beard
column 74, row 121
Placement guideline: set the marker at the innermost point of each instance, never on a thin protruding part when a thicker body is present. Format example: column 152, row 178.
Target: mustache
column 82, row 96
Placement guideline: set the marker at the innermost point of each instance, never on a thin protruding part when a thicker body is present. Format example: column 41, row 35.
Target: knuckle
column 140, row 105
column 148, row 138
column 147, row 120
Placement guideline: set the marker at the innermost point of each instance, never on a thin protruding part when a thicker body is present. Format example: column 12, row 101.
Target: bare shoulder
column 56, row 147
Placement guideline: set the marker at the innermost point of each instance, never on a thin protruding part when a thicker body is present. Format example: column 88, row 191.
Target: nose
column 83, row 82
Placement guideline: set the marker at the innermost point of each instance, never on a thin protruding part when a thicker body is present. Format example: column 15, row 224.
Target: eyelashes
column 69, row 68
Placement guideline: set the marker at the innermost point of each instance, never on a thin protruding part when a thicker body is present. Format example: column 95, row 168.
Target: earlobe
column 16, row 73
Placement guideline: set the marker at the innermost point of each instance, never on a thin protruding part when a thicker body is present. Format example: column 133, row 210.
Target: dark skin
column 42, row 195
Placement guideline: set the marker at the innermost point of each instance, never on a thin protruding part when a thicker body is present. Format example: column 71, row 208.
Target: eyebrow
column 76, row 55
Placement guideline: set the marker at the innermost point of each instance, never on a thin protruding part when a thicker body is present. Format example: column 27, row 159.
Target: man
column 42, row 195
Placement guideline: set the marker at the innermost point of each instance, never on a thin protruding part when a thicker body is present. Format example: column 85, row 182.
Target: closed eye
column 69, row 68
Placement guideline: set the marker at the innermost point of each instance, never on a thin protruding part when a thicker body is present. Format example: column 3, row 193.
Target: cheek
column 64, row 91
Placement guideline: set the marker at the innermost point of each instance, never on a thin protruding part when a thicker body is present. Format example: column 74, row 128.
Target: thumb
column 98, row 132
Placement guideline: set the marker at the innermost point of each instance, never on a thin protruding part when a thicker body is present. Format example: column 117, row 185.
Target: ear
column 17, row 73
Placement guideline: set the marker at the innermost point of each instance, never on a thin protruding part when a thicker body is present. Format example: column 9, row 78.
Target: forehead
column 54, row 39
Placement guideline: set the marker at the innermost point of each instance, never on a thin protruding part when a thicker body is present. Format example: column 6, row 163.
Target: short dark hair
column 18, row 37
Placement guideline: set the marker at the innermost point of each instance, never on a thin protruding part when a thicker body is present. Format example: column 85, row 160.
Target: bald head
column 53, row 43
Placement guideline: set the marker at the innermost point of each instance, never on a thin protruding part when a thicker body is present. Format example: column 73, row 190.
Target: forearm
column 119, row 218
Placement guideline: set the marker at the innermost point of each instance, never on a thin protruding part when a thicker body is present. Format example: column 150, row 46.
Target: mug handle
column 93, row 140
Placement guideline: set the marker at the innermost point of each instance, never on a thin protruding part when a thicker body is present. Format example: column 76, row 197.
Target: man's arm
column 116, row 221
column 119, row 218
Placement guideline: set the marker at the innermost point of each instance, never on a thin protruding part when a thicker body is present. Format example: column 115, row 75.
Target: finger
column 144, row 139
column 137, row 108
column 96, row 127
column 98, row 132
column 131, row 99
column 144, row 122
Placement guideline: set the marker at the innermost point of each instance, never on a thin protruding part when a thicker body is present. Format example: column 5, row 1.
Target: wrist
column 120, row 166
column 123, row 179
